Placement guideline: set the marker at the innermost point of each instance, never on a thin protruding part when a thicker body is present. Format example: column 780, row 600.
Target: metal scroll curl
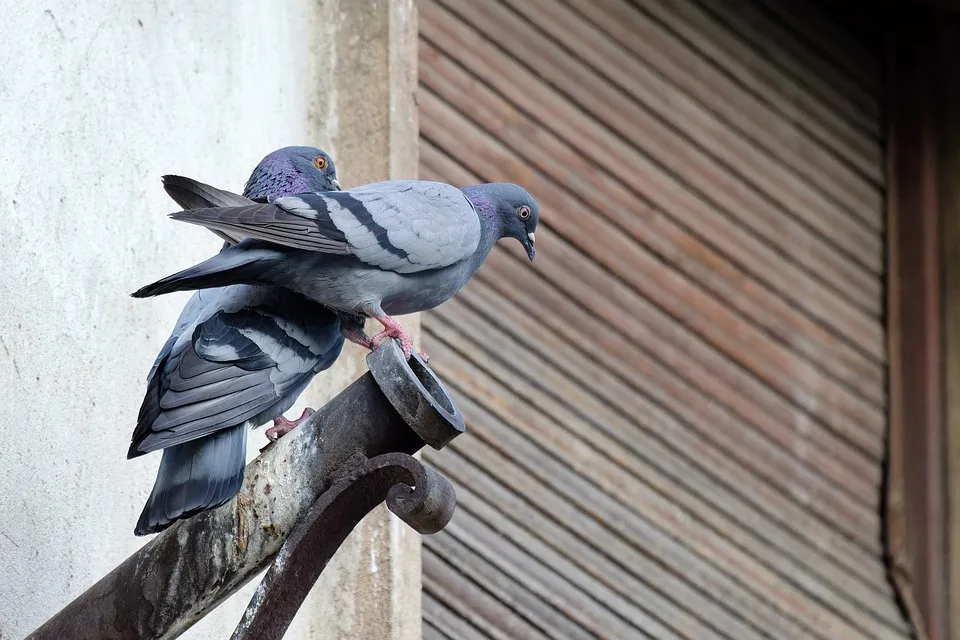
column 418, row 495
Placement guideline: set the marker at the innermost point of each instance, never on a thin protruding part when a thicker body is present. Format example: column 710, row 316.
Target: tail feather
column 192, row 194
column 195, row 476
column 231, row 266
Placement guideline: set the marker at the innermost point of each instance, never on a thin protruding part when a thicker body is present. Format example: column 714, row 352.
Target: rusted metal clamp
column 337, row 465
column 420, row 496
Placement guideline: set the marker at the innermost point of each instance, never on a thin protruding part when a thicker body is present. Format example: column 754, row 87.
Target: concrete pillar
column 100, row 99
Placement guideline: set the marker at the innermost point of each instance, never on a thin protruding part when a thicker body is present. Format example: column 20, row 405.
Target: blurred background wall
column 97, row 101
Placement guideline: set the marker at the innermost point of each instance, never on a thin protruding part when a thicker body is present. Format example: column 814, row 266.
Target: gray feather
column 195, row 476
column 400, row 225
column 246, row 359
column 268, row 222
column 193, row 194
column 407, row 226
column 247, row 262
column 412, row 245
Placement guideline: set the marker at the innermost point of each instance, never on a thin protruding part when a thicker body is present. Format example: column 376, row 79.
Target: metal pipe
column 186, row 571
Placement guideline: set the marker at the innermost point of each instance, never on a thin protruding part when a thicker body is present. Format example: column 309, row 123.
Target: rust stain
column 243, row 527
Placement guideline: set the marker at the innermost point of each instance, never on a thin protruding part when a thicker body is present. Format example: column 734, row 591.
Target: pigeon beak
column 529, row 246
column 336, row 183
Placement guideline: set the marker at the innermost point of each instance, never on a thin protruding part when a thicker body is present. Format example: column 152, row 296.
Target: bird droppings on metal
column 373, row 551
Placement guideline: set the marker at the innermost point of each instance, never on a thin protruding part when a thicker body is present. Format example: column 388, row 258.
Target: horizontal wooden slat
column 555, row 357
column 701, row 414
column 798, row 379
column 562, row 609
column 676, row 153
column 690, row 379
column 789, row 246
column 560, row 548
column 430, row 632
column 470, row 601
column 444, row 619
column 467, row 552
column 804, row 144
column 774, row 78
column 679, row 598
column 677, row 414
column 761, row 39
column 819, row 37
column 765, row 600
column 858, row 336
column 624, row 308
column 667, row 471
column 697, row 121
column 709, row 532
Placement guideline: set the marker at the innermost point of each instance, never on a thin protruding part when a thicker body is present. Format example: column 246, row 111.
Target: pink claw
column 282, row 426
column 360, row 338
column 393, row 329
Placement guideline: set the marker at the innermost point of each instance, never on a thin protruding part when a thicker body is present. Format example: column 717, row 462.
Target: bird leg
column 393, row 329
column 282, row 426
column 351, row 326
column 353, row 330
column 358, row 336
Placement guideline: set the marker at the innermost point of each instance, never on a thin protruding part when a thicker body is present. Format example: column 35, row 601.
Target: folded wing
column 399, row 225
column 235, row 366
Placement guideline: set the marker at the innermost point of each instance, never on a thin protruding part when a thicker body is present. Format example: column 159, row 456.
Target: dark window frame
column 923, row 316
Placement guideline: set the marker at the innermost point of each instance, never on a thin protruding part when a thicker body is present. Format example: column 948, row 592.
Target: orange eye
column 524, row 212
column 320, row 162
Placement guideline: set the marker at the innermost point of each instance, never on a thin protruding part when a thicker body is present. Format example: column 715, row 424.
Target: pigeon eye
column 524, row 212
column 320, row 162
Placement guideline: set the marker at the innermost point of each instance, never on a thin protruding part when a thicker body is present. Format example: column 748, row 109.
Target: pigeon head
column 293, row 170
column 511, row 207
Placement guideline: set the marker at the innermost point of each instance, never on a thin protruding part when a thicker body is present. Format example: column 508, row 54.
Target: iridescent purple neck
column 491, row 228
column 486, row 208
column 275, row 177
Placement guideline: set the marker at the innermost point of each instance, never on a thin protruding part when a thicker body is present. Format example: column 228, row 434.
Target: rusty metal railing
column 301, row 498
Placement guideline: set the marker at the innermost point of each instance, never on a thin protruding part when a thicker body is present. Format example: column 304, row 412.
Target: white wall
column 97, row 100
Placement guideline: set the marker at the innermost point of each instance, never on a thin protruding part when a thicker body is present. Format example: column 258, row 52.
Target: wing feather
column 236, row 365
column 398, row 225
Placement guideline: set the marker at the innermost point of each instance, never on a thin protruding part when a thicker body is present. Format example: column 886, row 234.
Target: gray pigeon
column 239, row 356
column 387, row 248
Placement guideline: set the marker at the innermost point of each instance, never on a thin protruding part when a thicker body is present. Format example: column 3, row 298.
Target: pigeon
column 383, row 249
column 238, row 357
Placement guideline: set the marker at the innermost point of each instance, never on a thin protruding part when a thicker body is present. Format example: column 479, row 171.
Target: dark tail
column 240, row 264
column 195, row 476
column 191, row 194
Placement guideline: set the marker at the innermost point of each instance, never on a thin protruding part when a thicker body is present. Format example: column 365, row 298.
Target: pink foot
column 393, row 329
column 282, row 426
column 357, row 336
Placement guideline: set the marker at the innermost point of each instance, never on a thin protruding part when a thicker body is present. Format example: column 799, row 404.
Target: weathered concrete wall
column 97, row 100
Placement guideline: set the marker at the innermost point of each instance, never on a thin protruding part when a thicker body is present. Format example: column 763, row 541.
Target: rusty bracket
column 420, row 496
column 290, row 490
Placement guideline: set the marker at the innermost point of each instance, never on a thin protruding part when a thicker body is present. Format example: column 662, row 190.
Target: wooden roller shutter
column 676, row 415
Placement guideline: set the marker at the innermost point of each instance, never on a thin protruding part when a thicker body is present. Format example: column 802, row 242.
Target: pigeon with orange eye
column 237, row 358
column 293, row 170
column 377, row 251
